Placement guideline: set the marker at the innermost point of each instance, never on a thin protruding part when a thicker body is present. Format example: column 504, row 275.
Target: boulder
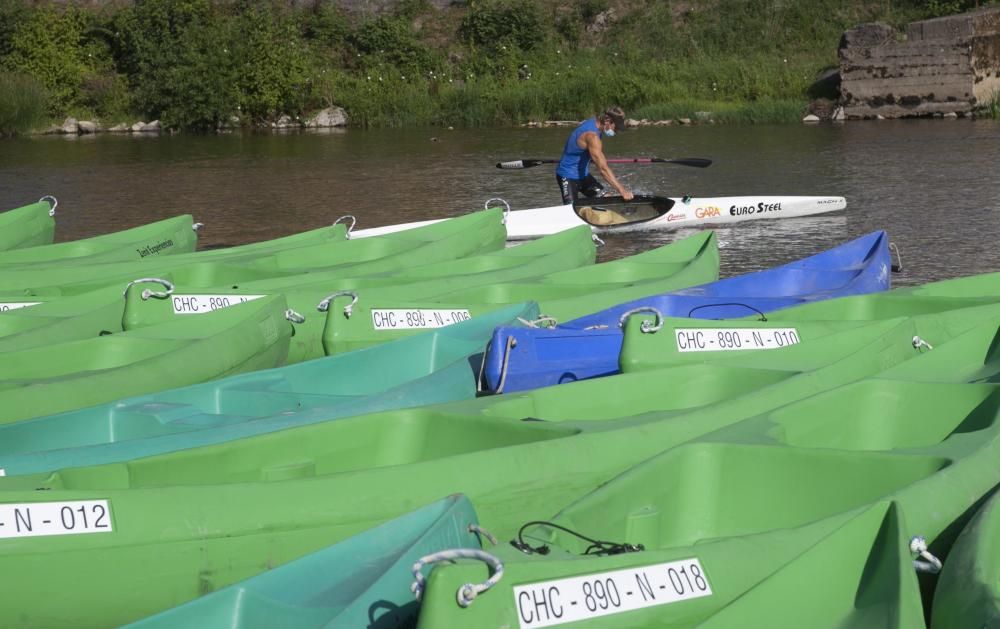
column 119, row 128
column 329, row 117
column 137, row 127
column 811, row 118
column 151, row 127
column 86, row 126
column 684, row 121
column 70, row 127
column 839, row 115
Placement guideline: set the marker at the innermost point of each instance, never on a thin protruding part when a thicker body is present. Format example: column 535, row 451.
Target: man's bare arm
column 595, row 147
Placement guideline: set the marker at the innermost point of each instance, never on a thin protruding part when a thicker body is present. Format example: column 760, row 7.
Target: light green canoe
column 429, row 368
column 64, row 376
column 162, row 238
column 968, row 589
column 801, row 516
column 378, row 316
column 83, row 316
column 28, row 226
column 196, row 516
column 473, row 233
column 363, row 581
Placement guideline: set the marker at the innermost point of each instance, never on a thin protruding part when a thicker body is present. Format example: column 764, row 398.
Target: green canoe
column 968, row 589
column 162, row 238
column 482, row 231
column 28, row 226
column 758, row 524
column 379, row 316
column 363, row 581
column 512, row 455
column 64, row 376
column 83, row 316
column 433, row 367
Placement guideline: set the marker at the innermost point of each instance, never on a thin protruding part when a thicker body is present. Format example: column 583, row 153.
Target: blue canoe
column 527, row 358
column 363, row 581
column 436, row 366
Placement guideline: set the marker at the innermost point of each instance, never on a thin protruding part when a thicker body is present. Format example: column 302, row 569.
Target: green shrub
column 23, row 102
column 494, row 23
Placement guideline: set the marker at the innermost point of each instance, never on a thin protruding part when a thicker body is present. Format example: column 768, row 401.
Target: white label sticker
column 35, row 519
column 402, row 319
column 550, row 603
column 16, row 305
column 3, row 472
column 733, row 339
column 199, row 304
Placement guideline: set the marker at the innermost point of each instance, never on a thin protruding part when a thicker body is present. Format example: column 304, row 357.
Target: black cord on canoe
column 747, row 306
column 597, row 547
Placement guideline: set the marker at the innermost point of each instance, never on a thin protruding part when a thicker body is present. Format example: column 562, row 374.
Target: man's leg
column 591, row 187
column 567, row 188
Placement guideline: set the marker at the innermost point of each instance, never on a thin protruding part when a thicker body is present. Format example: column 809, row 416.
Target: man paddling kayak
column 583, row 146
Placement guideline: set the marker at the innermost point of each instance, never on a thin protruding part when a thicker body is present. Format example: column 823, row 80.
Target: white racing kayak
column 613, row 214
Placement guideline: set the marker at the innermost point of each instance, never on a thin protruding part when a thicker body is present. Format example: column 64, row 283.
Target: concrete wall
column 947, row 64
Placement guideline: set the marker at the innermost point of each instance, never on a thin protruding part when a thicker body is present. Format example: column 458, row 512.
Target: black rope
column 597, row 547
column 747, row 306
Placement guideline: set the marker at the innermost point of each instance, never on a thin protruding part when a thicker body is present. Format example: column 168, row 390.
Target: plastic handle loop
column 597, row 240
column 898, row 267
column 53, row 203
column 506, row 206
column 294, row 317
column 468, row 592
column 147, row 293
column 197, row 226
column 540, row 322
column 923, row 560
column 324, row 305
column 646, row 327
column 350, row 228
column 919, row 342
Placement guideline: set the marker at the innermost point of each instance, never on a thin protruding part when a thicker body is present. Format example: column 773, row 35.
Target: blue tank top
column 575, row 160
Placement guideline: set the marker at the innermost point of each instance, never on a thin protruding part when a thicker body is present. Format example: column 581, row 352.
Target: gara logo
column 707, row 212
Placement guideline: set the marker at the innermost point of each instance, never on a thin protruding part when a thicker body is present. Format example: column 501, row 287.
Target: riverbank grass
column 23, row 103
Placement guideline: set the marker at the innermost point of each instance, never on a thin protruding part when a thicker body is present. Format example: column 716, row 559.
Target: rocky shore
column 328, row 118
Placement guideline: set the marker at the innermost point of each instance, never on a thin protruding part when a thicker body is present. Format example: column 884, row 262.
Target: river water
column 934, row 185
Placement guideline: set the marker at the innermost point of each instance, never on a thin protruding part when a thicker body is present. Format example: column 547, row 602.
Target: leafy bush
column 494, row 23
column 22, row 103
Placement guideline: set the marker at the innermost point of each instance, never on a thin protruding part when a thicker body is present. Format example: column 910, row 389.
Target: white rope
column 146, row 293
column 899, row 266
column 597, row 239
column 646, row 327
column 294, row 317
column 52, row 203
column 324, row 305
column 511, row 344
column 478, row 530
column 197, row 226
column 468, row 592
column 919, row 342
column 506, row 207
column 536, row 323
column 354, row 221
column 918, row 546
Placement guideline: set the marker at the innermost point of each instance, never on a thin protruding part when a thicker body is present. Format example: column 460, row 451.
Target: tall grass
column 23, row 103
column 992, row 108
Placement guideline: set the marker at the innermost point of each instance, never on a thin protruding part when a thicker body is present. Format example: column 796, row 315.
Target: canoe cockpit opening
column 616, row 211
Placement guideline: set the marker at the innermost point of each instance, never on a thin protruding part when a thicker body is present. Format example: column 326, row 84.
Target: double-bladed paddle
column 697, row 162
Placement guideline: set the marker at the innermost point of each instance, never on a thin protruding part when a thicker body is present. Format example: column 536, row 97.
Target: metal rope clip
column 147, row 293
column 324, row 305
column 294, row 317
column 919, row 342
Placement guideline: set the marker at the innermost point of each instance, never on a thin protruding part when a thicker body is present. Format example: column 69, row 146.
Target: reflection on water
column 932, row 184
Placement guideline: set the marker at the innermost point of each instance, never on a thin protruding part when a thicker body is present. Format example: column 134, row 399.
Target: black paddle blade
column 697, row 162
column 517, row 164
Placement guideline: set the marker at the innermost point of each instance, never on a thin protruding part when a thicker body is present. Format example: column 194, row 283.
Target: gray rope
column 146, row 293
column 468, row 592
column 294, row 317
column 482, row 367
column 511, row 344
column 324, row 305
column 646, row 327
column 919, row 342
column 506, row 211
column 599, row 326
column 597, row 240
column 480, row 531
column 52, row 204
column 923, row 560
column 354, row 221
